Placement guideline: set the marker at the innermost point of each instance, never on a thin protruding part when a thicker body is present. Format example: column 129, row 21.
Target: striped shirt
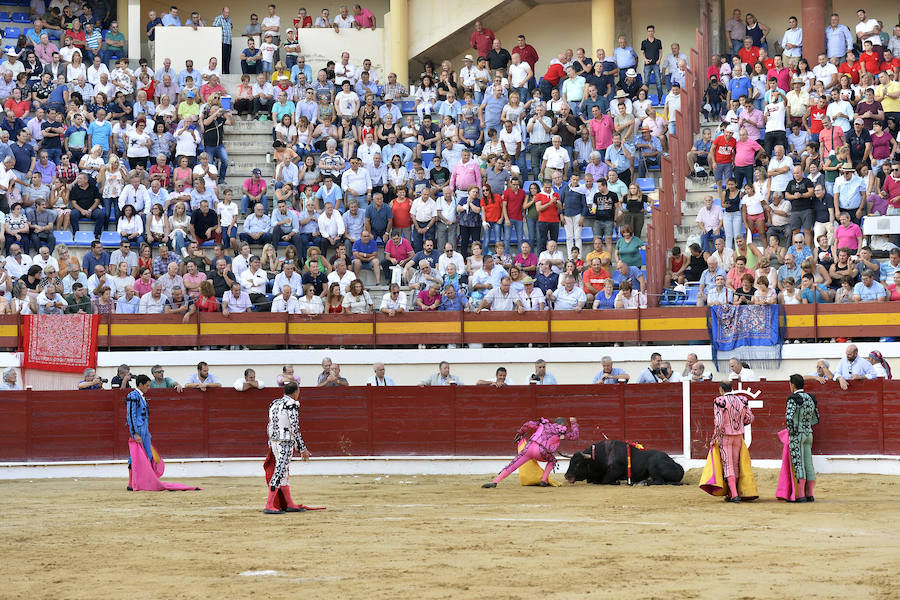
column 93, row 41
column 225, row 23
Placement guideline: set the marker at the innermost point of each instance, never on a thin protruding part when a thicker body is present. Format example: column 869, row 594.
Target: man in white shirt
column 776, row 112
column 450, row 256
column 341, row 275
column 499, row 298
column 555, row 157
column 356, row 183
column 248, row 381
column 568, row 297
column 792, row 40
column 95, row 70
column 394, row 301
column 97, row 281
column 331, row 226
column 286, row 302
column 530, row 298
column 866, row 29
column 345, row 70
column 271, row 23
column 825, row 72
column 740, row 372
column 367, row 151
column 254, row 279
column 673, row 104
column 344, row 20
column 780, row 170
column 670, row 64
column 379, row 378
column 289, row 277
column 553, row 256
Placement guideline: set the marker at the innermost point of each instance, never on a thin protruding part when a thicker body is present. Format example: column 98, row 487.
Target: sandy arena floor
column 411, row 537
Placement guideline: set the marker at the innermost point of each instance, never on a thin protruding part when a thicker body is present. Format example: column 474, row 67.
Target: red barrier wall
column 465, row 421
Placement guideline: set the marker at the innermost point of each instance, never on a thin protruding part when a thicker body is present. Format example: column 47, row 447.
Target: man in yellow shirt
column 888, row 93
column 188, row 107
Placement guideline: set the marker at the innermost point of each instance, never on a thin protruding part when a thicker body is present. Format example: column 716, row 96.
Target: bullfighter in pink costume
column 544, row 439
column 731, row 413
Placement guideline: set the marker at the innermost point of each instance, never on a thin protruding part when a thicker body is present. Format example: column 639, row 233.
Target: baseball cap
column 858, row 120
column 257, row 172
column 189, row 94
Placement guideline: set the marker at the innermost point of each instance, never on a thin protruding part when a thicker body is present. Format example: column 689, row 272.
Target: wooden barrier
column 667, row 324
column 445, row 420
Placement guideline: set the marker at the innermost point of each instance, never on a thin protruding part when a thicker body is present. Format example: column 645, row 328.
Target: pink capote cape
column 787, row 485
column 145, row 477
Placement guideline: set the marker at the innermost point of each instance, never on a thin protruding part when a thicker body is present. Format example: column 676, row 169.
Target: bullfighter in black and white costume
column 284, row 436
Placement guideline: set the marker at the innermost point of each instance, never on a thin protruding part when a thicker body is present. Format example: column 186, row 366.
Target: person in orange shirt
column 593, row 279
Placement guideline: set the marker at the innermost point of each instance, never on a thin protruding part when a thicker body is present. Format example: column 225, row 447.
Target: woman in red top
column 334, row 301
column 492, row 212
column 145, row 257
column 206, row 301
column 548, row 205
column 400, row 207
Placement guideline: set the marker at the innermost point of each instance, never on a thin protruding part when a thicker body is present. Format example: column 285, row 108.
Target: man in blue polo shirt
column 365, row 256
column 630, row 274
column 99, row 132
column 378, row 217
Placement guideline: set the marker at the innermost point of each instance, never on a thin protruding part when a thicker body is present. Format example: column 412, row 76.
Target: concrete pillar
column 129, row 17
column 621, row 24
column 813, row 19
column 718, row 38
column 399, row 42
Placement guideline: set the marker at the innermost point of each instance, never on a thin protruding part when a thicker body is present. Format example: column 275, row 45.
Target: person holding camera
column 91, row 381
column 654, row 373
column 122, row 378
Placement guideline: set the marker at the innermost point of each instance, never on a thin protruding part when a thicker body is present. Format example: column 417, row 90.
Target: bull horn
column 585, row 454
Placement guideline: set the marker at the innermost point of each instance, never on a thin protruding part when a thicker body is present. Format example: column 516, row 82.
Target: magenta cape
column 145, row 477
column 786, row 483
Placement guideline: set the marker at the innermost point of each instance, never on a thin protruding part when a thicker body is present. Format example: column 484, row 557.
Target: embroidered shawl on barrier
column 747, row 332
column 65, row 343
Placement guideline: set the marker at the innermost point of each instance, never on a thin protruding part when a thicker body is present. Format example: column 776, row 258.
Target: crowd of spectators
column 455, row 203
column 800, row 157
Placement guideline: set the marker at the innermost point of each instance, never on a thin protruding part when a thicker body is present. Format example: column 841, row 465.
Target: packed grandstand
column 488, row 185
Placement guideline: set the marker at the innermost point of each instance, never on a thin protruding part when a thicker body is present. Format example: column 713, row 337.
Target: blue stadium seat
column 104, row 33
column 53, row 34
column 407, row 106
column 208, row 244
column 691, row 299
column 110, row 239
column 19, row 17
column 24, row 3
column 64, row 237
column 654, row 99
column 643, row 257
column 8, row 3
column 4, row 17
column 646, row 184
column 12, row 32
column 427, row 158
column 83, row 239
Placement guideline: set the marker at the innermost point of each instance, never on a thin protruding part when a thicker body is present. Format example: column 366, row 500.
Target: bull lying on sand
column 607, row 462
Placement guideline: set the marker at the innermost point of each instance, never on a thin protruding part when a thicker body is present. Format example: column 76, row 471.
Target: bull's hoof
column 544, row 484
column 643, row 483
column 489, row 485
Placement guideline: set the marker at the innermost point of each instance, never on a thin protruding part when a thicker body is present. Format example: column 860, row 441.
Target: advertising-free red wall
column 433, row 421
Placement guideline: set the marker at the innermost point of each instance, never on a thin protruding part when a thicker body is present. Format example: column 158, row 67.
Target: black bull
column 607, row 462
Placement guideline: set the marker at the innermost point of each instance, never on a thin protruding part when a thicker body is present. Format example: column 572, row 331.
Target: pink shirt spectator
column 429, row 300
column 752, row 121
column 253, row 187
column 602, row 131
column 847, row 236
column 141, row 288
column 783, row 76
column 830, row 140
column 710, row 219
column 45, row 53
column 530, row 261
column 892, row 187
column 657, row 126
column 893, row 293
column 745, row 152
column 365, row 18
column 194, row 280
column 465, row 175
column 400, row 251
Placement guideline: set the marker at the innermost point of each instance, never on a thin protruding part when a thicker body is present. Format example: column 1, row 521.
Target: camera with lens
column 101, row 380
column 658, row 372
